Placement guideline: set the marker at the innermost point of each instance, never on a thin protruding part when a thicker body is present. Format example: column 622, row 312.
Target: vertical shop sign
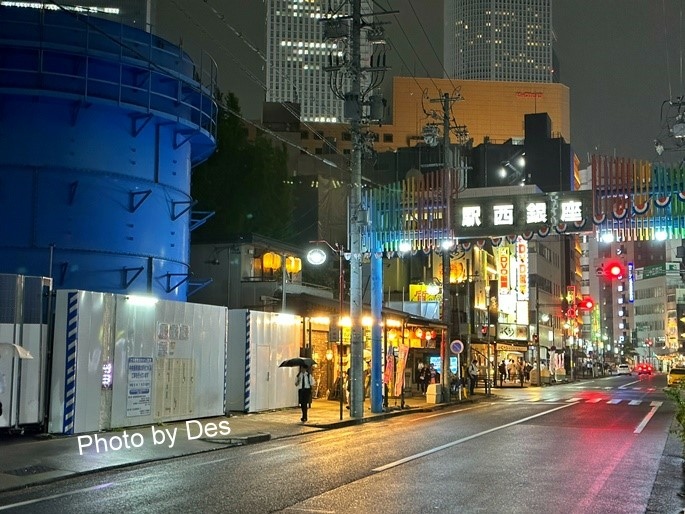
column 139, row 387
column 503, row 268
column 522, row 269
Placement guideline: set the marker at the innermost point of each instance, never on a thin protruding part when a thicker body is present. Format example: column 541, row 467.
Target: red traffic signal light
column 614, row 269
column 587, row 303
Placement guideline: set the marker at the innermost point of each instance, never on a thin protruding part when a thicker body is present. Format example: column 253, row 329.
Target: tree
column 244, row 182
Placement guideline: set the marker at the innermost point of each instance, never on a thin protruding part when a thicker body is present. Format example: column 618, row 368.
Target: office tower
column 499, row 40
column 296, row 55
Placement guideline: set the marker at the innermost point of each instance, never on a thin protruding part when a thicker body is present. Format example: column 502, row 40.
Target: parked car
column 623, row 369
column 676, row 376
column 644, row 369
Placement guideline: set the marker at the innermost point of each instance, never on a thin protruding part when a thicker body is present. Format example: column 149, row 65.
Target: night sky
column 621, row 59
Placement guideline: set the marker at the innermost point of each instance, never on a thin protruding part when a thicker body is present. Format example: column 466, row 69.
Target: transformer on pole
column 353, row 83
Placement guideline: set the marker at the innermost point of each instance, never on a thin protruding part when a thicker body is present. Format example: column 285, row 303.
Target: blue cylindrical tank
column 100, row 125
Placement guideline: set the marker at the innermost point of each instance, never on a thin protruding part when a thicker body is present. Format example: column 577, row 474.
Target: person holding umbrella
column 304, row 382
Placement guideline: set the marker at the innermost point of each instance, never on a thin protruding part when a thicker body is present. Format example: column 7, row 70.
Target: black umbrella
column 297, row 362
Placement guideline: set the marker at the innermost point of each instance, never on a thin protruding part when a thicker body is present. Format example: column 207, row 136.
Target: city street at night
column 342, row 256
column 590, row 446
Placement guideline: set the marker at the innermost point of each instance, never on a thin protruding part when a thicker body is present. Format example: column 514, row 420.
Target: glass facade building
column 296, row 57
column 500, row 40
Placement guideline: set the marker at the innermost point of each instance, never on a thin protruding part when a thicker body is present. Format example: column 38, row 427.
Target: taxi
column 676, row 376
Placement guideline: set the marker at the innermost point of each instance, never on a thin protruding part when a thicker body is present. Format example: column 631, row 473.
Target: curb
column 393, row 413
column 229, row 443
column 258, row 437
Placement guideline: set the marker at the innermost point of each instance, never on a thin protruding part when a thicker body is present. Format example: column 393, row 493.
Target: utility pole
column 350, row 27
column 356, row 294
column 448, row 239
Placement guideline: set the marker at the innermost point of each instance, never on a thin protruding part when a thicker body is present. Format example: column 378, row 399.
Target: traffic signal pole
column 537, row 330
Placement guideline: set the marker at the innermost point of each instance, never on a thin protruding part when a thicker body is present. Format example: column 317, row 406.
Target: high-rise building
column 297, row 55
column 499, row 40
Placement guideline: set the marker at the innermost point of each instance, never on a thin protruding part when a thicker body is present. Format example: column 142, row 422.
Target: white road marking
column 54, row 496
column 271, row 449
column 205, row 463
column 615, row 401
column 625, row 386
column 438, row 414
column 570, row 400
column 595, row 400
column 464, row 439
column 656, row 404
column 301, row 509
column 646, row 419
column 634, row 402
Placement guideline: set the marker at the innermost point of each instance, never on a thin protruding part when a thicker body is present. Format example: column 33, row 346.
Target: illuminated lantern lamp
column 271, row 261
column 293, row 264
column 419, row 333
column 433, row 334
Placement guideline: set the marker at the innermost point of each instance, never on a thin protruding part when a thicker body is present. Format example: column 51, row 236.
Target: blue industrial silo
column 100, row 125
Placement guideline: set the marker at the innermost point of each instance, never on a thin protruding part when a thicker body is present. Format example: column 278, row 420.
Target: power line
column 435, row 53
column 668, row 66
column 261, row 55
column 224, row 47
column 281, row 139
column 412, row 48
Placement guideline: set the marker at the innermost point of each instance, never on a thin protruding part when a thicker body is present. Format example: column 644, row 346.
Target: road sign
column 457, row 346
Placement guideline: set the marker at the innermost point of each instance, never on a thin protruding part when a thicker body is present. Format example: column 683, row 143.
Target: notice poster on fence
column 139, row 387
column 402, row 353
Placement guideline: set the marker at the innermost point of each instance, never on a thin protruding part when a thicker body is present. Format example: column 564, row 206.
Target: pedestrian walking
column 304, row 382
column 502, row 372
column 473, row 375
column 423, row 378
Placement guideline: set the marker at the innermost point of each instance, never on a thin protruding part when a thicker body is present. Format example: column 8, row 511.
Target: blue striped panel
column 70, row 363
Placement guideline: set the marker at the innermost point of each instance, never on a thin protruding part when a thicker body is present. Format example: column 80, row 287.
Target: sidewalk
column 32, row 459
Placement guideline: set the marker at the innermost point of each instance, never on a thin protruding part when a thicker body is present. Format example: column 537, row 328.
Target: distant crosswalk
column 608, row 401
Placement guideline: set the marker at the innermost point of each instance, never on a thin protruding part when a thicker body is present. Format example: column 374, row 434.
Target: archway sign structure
column 629, row 199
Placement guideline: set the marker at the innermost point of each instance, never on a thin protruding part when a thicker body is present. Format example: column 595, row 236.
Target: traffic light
column 614, row 269
column 484, row 330
column 587, row 303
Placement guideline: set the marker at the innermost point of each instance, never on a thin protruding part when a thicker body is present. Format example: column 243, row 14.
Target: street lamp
column 316, row 257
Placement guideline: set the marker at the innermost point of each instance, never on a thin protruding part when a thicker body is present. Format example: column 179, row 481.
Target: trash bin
column 434, row 393
column 534, row 379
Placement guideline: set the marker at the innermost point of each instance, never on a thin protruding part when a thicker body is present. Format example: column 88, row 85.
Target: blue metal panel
column 101, row 124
